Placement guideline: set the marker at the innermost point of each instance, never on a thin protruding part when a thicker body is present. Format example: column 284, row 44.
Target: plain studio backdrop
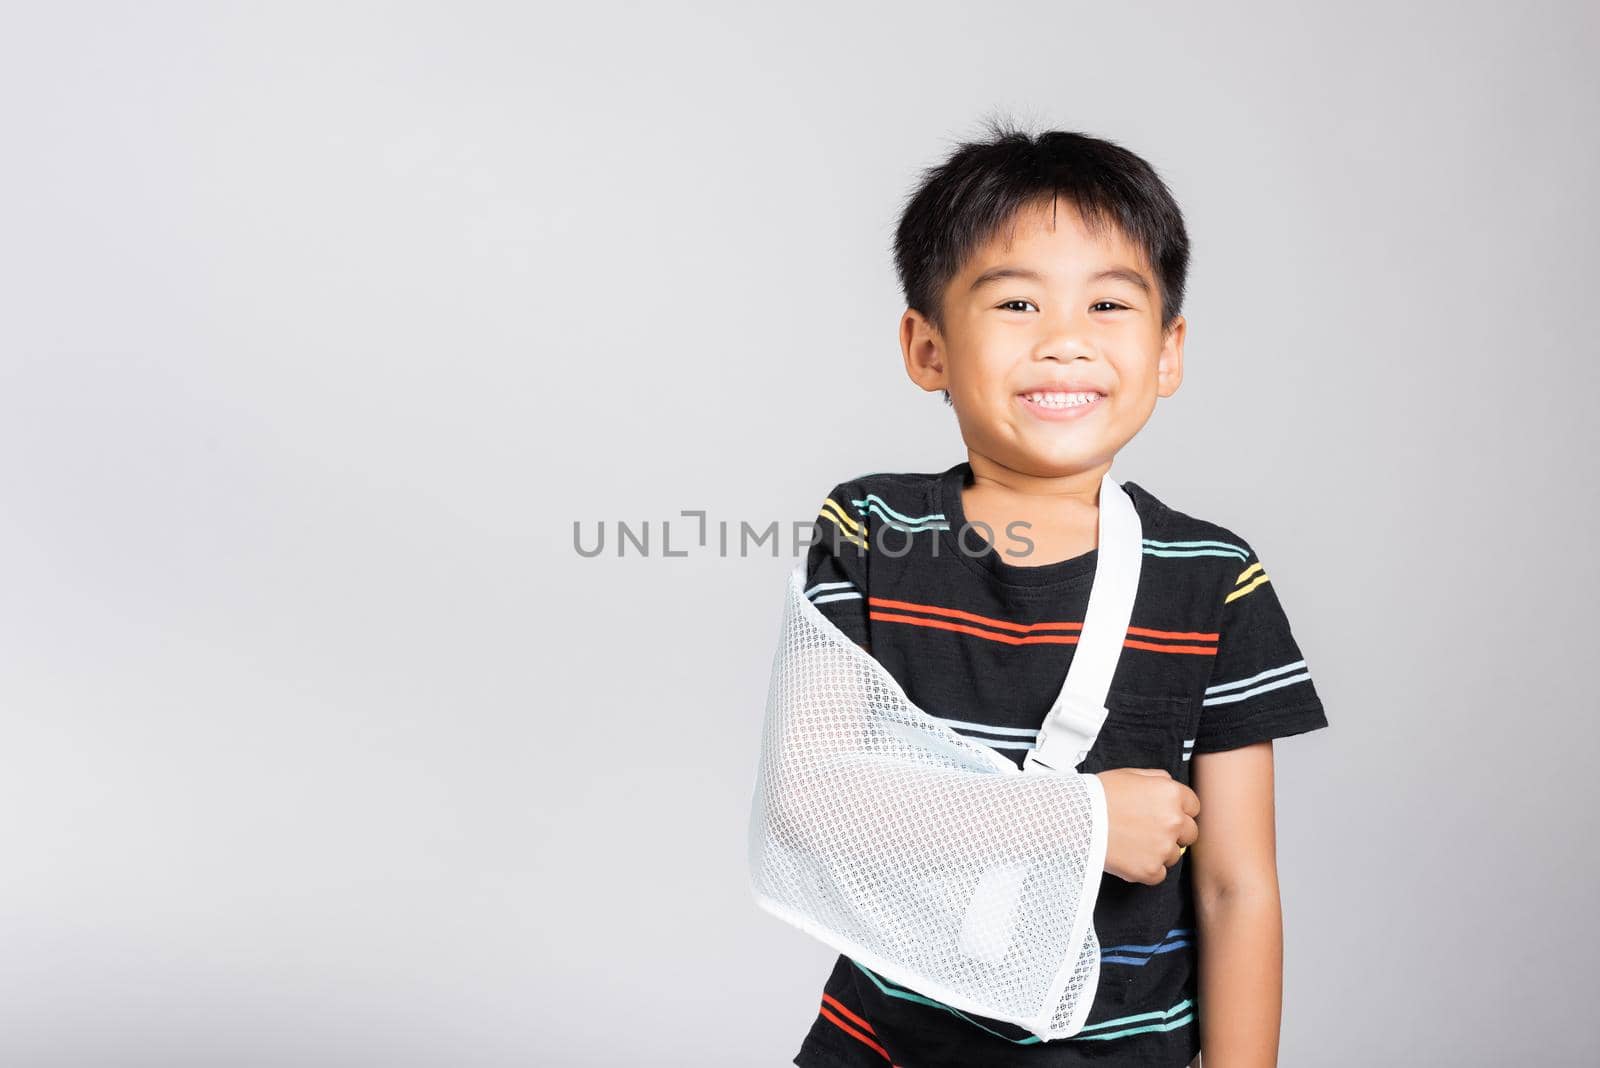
column 323, row 324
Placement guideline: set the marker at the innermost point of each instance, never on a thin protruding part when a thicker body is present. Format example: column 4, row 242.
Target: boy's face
column 1070, row 317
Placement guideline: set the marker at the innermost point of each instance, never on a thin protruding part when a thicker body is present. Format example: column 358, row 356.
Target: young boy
column 1044, row 276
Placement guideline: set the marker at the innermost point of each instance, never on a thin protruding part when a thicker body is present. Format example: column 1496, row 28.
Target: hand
column 1151, row 820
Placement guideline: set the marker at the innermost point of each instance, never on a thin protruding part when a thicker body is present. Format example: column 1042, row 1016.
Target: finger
column 1191, row 801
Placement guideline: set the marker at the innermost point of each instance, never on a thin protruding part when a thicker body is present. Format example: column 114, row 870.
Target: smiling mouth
column 1061, row 406
column 1056, row 400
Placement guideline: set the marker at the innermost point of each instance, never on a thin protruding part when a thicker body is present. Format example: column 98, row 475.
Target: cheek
column 1136, row 384
column 989, row 348
column 982, row 368
column 1136, row 402
column 1136, row 366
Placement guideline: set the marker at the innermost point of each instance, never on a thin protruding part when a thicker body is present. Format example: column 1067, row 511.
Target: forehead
column 1055, row 232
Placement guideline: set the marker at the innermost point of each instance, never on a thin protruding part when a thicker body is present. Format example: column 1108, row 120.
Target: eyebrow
column 1114, row 274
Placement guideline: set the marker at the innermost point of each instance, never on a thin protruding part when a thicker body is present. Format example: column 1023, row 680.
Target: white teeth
column 1062, row 400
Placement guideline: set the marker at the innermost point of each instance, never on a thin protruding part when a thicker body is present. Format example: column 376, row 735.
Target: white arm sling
column 929, row 857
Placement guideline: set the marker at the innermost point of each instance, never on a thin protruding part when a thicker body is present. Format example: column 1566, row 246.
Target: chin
column 1046, row 463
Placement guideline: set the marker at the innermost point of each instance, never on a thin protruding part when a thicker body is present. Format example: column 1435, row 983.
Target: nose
column 1064, row 336
column 1064, row 353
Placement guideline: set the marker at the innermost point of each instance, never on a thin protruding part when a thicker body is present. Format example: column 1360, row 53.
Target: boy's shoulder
column 894, row 496
column 1197, row 561
column 1163, row 522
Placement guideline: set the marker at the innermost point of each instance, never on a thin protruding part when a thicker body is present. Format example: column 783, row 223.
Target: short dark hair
column 961, row 204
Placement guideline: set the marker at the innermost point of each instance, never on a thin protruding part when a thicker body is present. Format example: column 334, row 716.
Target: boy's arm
column 880, row 833
column 1260, row 689
column 1235, row 872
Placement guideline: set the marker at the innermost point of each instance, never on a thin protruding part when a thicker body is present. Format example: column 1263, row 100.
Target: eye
column 1108, row 305
column 1007, row 304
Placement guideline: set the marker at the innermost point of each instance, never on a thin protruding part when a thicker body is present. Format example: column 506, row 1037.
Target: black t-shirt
column 982, row 644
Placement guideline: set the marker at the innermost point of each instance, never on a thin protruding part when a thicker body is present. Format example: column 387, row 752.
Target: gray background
column 323, row 323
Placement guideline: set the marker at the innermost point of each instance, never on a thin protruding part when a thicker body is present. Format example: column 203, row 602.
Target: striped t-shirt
column 982, row 644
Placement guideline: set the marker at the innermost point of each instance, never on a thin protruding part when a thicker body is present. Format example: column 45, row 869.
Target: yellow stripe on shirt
column 1260, row 579
column 847, row 526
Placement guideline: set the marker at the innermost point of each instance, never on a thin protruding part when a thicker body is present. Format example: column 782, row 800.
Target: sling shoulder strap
column 1074, row 720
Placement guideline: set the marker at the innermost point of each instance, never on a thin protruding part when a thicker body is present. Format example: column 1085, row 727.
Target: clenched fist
column 1152, row 821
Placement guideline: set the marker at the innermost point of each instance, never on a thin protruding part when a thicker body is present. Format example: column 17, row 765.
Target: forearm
column 1241, row 977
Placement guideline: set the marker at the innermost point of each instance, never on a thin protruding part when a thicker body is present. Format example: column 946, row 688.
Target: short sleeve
column 1260, row 686
column 836, row 563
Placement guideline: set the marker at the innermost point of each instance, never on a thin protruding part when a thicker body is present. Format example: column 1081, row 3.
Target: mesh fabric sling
column 926, row 856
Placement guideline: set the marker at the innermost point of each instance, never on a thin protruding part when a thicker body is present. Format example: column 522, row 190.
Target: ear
column 923, row 349
column 1169, row 366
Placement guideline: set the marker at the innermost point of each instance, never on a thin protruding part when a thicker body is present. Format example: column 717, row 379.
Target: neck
column 1080, row 487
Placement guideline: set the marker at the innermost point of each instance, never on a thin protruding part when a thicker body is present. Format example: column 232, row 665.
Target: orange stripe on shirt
column 1049, row 639
column 849, row 1030
column 1023, row 628
column 977, row 632
column 839, row 1007
column 973, row 617
column 1198, row 650
column 1176, row 635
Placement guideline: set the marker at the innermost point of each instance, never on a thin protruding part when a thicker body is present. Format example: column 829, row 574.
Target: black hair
column 964, row 201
